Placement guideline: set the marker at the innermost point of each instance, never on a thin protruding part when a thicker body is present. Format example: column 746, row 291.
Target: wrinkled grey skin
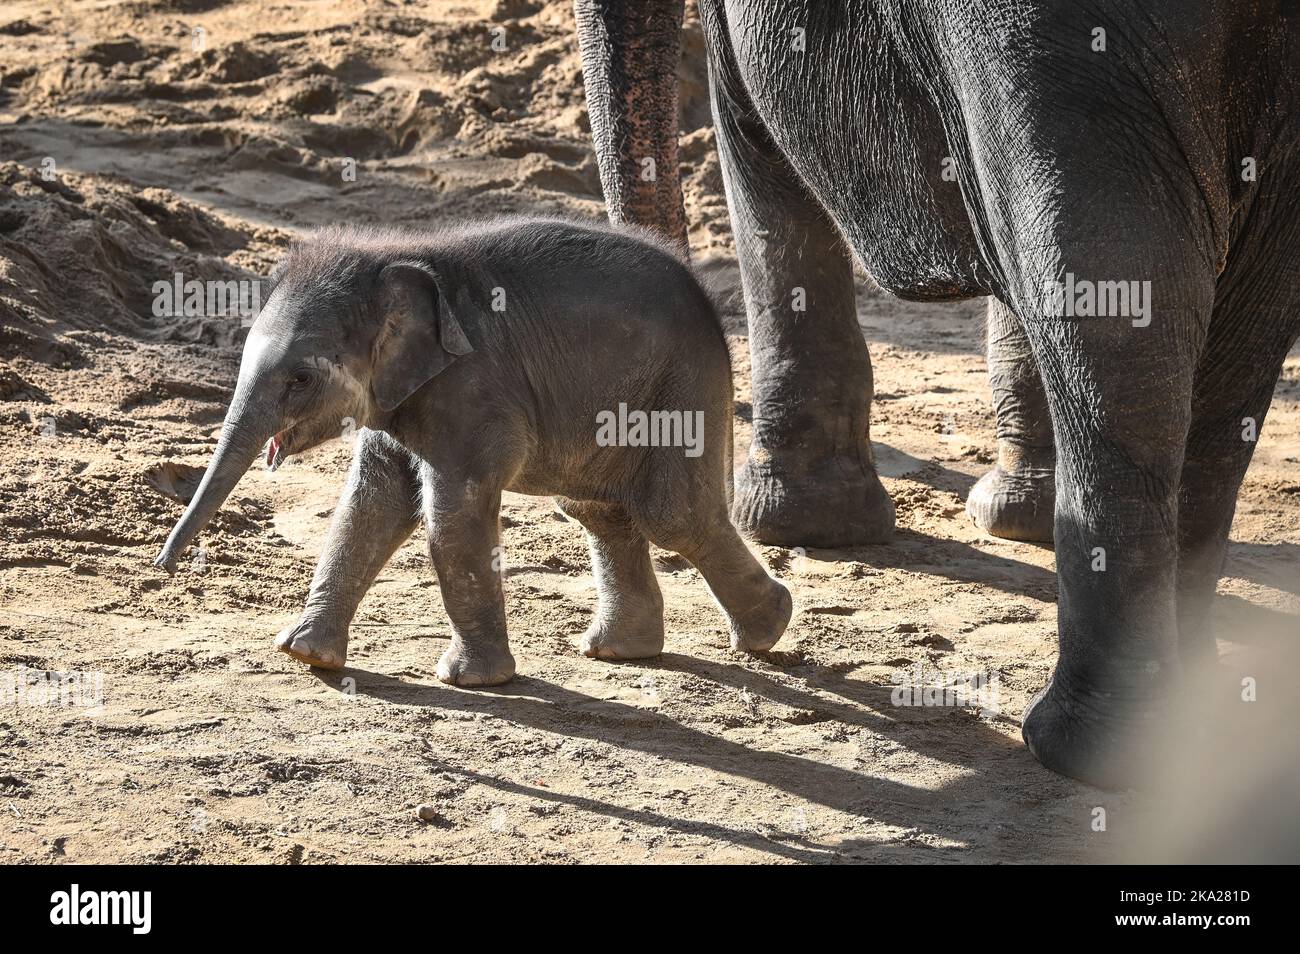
column 461, row 401
column 1122, row 165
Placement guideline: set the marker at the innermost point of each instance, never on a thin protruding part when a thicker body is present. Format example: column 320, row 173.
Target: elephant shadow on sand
column 1000, row 790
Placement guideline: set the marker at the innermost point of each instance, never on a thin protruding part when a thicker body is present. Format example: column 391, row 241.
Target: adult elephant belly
column 834, row 93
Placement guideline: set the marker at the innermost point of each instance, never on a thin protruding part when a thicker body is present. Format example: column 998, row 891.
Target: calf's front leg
column 465, row 546
column 377, row 513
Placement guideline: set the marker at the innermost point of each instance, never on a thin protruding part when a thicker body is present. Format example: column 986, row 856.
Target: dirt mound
column 80, row 255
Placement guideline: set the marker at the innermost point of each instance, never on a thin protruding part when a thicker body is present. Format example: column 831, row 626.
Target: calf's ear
column 419, row 335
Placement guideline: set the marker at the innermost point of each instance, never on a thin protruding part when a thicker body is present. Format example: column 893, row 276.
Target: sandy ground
column 209, row 746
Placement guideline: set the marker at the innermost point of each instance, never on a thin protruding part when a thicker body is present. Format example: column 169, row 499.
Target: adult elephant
column 1122, row 177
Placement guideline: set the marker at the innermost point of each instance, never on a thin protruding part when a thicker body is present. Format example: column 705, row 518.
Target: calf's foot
column 626, row 635
column 314, row 643
column 757, row 607
column 836, row 504
column 760, row 627
column 629, row 620
column 483, row 664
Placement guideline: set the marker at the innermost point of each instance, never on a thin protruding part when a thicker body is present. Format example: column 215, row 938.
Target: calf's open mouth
column 275, row 452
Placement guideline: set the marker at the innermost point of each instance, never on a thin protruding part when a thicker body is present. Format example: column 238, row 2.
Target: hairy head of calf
column 355, row 324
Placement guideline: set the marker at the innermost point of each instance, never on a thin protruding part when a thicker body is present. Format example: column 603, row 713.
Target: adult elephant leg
column 377, row 512
column 1119, row 389
column 810, row 479
column 1256, row 320
column 1108, row 247
column 1017, row 498
column 1120, row 400
column 1117, row 371
column 1228, row 412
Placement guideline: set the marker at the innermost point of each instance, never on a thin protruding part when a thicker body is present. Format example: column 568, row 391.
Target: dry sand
column 209, row 746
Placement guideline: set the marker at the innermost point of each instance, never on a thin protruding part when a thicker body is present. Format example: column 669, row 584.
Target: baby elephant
column 536, row 356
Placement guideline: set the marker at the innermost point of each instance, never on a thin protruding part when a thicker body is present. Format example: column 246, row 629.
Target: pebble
column 428, row 813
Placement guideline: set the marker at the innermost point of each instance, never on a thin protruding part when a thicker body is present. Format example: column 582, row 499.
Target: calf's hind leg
column 629, row 620
column 377, row 512
column 757, row 607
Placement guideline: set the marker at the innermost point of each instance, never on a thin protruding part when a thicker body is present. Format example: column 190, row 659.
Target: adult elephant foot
column 834, row 505
column 1016, row 500
column 1092, row 736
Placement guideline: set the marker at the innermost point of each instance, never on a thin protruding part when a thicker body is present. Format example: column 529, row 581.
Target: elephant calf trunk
column 233, row 457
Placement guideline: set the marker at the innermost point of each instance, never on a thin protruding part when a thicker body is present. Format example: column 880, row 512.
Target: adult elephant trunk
column 248, row 426
column 630, row 53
